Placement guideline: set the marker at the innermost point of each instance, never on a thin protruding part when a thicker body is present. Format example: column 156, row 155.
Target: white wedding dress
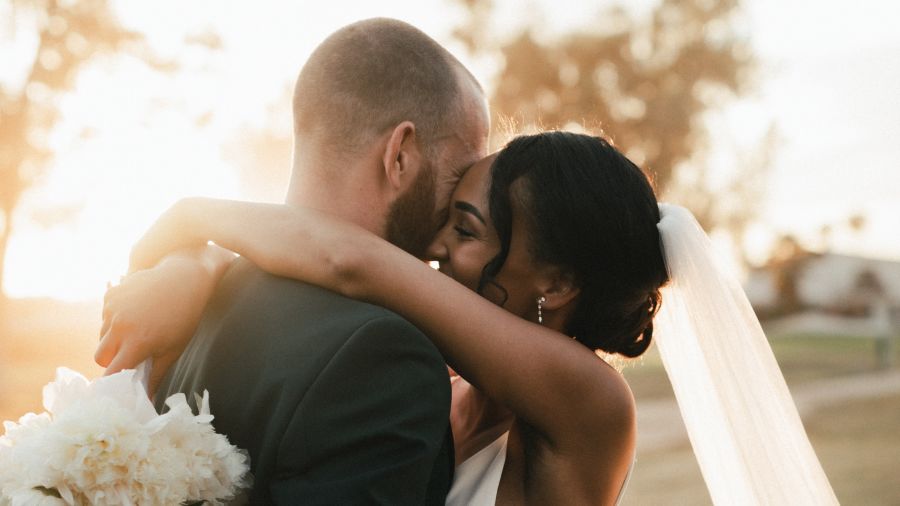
column 476, row 480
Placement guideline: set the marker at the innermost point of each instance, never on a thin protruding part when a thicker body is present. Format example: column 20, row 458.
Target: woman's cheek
column 471, row 262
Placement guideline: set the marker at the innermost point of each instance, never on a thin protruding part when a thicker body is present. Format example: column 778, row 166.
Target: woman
column 558, row 229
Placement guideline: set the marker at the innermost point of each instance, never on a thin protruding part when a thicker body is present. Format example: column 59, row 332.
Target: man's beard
column 411, row 219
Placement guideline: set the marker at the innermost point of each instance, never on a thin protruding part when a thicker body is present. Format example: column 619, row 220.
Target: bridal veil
column 741, row 420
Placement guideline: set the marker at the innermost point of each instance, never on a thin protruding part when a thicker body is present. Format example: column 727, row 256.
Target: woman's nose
column 438, row 250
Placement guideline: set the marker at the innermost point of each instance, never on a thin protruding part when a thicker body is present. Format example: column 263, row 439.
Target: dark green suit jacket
column 337, row 401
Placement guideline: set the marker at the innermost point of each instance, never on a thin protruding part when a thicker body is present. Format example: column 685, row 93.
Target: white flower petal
column 65, row 390
column 32, row 497
column 102, row 443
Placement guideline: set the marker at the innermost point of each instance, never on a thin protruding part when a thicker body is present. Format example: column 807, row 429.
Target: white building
column 833, row 295
column 828, row 282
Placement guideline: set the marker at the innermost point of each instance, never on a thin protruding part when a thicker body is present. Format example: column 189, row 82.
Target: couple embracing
column 325, row 345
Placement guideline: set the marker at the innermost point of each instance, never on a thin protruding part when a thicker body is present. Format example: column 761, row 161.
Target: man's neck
column 348, row 198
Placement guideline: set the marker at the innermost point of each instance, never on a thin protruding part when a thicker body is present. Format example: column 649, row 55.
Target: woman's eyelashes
column 468, row 221
column 463, row 233
column 467, row 228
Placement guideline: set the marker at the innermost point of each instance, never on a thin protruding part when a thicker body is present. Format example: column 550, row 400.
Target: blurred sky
column 132, row 141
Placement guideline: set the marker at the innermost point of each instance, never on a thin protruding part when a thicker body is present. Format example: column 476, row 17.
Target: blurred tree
column 857, row 222
column 262, row 154
column 853, row 224
column 786, row 263
column 69, row 35
column 647, row 82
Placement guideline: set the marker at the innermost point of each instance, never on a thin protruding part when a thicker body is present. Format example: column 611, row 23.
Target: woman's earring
column 540, row 302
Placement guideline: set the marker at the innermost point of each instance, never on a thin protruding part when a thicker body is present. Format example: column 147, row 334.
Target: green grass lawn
column 802, row 358
column 809, row 357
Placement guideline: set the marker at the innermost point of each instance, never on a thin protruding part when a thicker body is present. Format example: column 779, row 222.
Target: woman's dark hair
column 592, row 212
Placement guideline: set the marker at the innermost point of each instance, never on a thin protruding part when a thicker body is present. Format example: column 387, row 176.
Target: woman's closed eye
column 469, row 220
column 463, row 233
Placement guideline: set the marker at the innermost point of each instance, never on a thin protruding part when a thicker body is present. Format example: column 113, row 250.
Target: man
column 338, row 401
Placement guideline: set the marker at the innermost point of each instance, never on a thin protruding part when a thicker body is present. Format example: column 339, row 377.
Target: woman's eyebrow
column 469, row 208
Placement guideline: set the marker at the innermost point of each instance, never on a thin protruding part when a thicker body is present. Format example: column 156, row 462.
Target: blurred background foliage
column 71, row 34
column 652, row 81
column 646, row 82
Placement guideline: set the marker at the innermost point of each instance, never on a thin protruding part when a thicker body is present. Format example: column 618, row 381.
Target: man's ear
column 402, row 158
column 558, row 287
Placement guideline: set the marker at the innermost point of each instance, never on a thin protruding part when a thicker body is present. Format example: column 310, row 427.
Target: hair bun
column 638, row 337
column 639, row 343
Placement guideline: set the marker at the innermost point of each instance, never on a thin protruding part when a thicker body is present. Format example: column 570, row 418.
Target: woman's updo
column 592, row 212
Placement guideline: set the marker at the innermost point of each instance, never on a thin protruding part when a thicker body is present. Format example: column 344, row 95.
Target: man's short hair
column 372, row 75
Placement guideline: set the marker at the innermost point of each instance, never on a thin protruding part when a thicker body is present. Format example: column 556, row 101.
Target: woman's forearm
column 543, row 376
column 299, row 243
column 211, row 259
column 312, row 246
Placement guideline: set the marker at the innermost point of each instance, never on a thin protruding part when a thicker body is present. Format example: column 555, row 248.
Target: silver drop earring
column 540, row 302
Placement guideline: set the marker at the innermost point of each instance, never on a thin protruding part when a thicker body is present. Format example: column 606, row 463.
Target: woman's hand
column 156, row 309
column 153, row 313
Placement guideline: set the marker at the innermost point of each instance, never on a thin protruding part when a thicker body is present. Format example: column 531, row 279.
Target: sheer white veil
column 740, row 417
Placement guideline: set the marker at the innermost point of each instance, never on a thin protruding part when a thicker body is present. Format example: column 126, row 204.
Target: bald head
column 370, row 76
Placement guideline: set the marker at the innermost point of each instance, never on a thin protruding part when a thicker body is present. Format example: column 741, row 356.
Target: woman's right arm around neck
column 580, row 408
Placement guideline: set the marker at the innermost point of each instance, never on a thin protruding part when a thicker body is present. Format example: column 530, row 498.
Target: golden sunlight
column 131, row 139
column 784, row 145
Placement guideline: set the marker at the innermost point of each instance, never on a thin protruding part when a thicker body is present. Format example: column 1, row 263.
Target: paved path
column 660, row 426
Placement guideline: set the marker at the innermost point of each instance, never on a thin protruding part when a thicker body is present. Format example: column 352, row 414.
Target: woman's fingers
column 120, row 347
column 126, row 357
column 108, row 347
column 105, row 326
column 109, row 310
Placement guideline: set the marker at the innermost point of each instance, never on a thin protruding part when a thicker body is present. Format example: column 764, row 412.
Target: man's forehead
column 481, row 166
column 464, row 160
column 464, row 149
column 471, row 145
column 463, row 169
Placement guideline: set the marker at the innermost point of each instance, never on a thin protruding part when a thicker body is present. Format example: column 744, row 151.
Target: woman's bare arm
column 555, row 384
column 154, row 312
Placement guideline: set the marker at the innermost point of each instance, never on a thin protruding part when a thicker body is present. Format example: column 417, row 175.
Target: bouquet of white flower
column 102, row 442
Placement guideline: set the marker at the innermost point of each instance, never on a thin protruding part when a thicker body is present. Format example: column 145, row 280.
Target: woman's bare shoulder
column 607, row 411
